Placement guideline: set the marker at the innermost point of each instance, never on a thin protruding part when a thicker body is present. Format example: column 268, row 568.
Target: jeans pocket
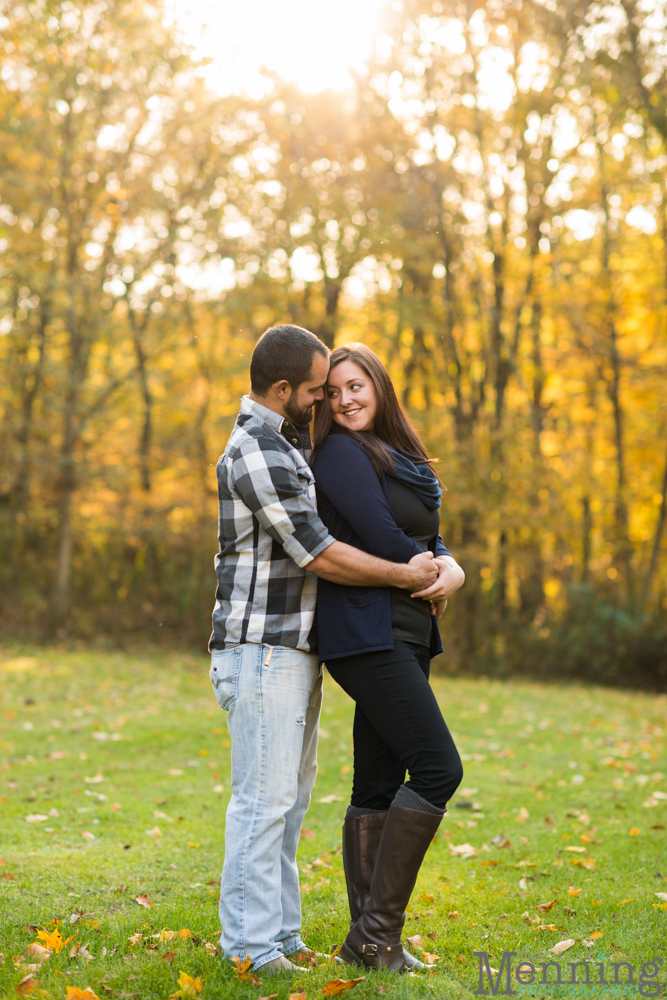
column 225, row 668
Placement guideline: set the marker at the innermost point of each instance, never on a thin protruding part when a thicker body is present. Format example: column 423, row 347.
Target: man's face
column 299, row 406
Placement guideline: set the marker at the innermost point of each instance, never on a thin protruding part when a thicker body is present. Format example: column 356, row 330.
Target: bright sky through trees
column 310, row 42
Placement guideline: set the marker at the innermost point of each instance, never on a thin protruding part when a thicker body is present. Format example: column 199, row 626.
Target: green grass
column 89, row 739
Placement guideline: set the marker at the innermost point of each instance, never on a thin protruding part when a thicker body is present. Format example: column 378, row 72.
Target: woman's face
column 352, row 397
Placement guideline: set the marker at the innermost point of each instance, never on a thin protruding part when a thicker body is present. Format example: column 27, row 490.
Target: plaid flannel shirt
column 269, row 531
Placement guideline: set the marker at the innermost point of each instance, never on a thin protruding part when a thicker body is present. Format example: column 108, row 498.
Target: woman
column 376, row 491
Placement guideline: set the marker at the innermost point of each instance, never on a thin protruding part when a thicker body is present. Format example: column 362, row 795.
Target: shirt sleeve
column 440, row 549
column 345, row 475
column 266, row 480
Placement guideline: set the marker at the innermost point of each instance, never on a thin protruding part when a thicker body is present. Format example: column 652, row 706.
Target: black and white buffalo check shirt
column 269, row 531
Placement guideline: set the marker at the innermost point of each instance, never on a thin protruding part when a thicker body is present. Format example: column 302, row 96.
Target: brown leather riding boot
column 375, row 940
column 361, row 839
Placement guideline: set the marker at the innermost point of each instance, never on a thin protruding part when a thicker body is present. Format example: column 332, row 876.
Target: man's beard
column 297, row 414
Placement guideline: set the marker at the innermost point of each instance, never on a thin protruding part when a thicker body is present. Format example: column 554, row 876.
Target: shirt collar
column 262, row 413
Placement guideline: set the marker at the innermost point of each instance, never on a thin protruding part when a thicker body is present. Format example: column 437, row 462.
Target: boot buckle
column 369, row 949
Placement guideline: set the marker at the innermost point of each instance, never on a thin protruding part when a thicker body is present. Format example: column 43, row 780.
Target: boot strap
column 378, row 949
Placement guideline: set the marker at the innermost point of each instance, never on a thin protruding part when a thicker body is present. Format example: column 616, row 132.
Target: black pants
column 398, row 727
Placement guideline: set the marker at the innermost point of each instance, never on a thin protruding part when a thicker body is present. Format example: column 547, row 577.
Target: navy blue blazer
column 356, row 508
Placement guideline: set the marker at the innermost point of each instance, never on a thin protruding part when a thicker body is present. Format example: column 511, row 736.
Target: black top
column 411, row 617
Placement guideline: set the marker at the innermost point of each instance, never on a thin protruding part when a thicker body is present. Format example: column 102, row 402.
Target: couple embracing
column 329, row 552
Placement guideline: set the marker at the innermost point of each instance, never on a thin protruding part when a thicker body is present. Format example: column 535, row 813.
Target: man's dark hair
column 283, row 352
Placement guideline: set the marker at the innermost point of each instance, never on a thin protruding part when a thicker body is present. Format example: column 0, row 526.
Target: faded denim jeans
column 273, row 697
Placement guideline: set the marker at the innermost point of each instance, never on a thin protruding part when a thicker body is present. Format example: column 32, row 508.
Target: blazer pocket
column 364, row 598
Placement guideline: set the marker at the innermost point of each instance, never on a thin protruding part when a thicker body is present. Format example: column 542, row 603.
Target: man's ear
column 282, row 388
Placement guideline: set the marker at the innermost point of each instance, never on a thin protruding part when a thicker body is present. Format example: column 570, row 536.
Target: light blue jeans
column 273, row 705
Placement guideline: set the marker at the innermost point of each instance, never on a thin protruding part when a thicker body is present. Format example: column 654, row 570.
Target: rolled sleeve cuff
column 302, row 556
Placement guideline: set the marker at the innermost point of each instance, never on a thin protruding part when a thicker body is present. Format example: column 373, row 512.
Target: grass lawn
column 114, row 778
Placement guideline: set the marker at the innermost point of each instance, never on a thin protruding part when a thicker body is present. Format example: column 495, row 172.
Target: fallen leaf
column 190, row 988
column 212, row 949
column 307, row 833
column 136, row 938
column 12, row 878
column 522, row 815
column 660, row 895
column 95, row 780
column 426, row 898
column 562, row 946
column 87, row 835
column 546, row 927
column 53, row 940
column 36, row 818
column 597, row 934
column 191, row 843
column 416, row 941
column 523, row 884
column 489, row 863
column 82, row 952
column 169, row 956
column 453, row 915
column 578, row 850
column 185, row 933
column 336, row 986
column 463, row 850
column 26, row 986
column 326, row 799
column 428, row 958
column 572, row 891
column 242, row 967
column 432, row 935
column 545, row 907
column 299, row 995
column 634, row 832
column 144, row 901
column 660, row 906
column 35, row 950
column 74, row 993
column 622, row 902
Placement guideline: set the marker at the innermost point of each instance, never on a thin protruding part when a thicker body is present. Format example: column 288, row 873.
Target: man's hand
column 438, row 608
column 423, row 570
column 450, row 578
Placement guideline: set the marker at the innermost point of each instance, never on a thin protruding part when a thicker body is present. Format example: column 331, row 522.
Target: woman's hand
column 438, row 608
column 450, row 578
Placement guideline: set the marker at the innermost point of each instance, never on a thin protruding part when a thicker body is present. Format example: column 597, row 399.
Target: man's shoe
column 375, row 939
column 361, row 840
column 280, row 964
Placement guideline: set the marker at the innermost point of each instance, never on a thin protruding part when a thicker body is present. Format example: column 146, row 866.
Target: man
column 264, row 666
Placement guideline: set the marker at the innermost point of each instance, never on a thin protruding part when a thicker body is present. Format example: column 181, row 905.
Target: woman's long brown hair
column 391, row 426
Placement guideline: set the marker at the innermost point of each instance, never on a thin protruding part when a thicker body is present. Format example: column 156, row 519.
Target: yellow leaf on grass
column 597, row 934
column 190, row 988
column 522, row 815
column 624, row 901
column 336, row 986
column 144, row 901
column 184, row 933
column 74, row 993
column 572, row 891
column 242, row 967
column 660, row 906
column 53, row 940
column 578, row 850
column 634, row 832
column 191, row 843
column 545, row 907
column 429, row 958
